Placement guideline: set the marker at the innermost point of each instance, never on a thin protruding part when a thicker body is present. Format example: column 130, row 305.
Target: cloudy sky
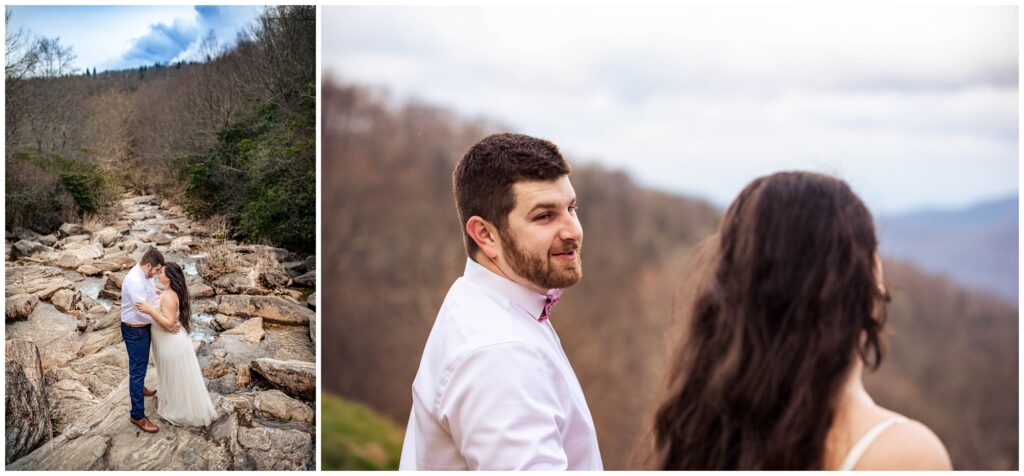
column 114, row 37
column 915, row 107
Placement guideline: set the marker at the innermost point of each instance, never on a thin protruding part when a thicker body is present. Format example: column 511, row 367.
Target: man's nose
column 571, row 230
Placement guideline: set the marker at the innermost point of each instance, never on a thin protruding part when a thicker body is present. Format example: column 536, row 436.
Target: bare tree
column 55, row 60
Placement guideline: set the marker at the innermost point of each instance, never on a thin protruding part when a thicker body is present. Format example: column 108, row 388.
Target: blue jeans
column 136, row 340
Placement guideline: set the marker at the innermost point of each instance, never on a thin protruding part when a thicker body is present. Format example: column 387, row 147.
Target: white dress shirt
column 494, row 390
column 136, row 287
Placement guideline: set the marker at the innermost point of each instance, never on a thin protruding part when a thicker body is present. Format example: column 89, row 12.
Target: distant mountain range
column 975, row 246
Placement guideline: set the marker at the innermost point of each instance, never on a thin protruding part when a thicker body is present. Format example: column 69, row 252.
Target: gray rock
column 277, row 450
column 275, row 405
column 48, row 240
column 306, row 280
column 26, row 234
column 27, row 414
column 311, row 301
column 296, row 378
column 69, row 229
column 270, row 308
column 310, row 262
column 312, row 329
column 29, row 248
column 87, row 304
column 20, row 306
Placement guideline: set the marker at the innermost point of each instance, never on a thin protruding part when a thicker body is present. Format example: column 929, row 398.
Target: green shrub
column 261, row 176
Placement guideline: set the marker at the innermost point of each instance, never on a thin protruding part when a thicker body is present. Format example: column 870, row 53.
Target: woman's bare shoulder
column 907, row 445
column 168, row 298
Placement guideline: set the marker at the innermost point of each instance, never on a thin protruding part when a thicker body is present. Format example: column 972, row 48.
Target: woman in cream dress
column 183, row 398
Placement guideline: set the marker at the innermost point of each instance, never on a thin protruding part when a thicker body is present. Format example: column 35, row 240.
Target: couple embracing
column 768, row 376
column 181, row 391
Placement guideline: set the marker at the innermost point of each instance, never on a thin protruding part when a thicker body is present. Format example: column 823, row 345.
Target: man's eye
column 574, row 208
column 543, row 216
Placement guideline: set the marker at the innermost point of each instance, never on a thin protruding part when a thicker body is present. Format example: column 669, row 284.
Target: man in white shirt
column 137, row 287
column 494, row 390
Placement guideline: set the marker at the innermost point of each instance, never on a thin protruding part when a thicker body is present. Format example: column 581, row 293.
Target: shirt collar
column 510, row 291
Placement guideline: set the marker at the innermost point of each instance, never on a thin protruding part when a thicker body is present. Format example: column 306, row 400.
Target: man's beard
column 538, row 269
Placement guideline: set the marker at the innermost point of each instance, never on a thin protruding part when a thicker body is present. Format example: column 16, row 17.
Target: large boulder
column 65, row 299
column 270, row 308
column 42, row 281
column 29, row 248
column 275, row 405
column 107, row 236
column 200, row 290
column 27, row 414
column 239, row 282
column 115, row 262
column 68, row 399
column 85, row 250
column 251, row 330
column 307, row 280
column 89, row 270
column 294, row 377
column 19, row 307
column 272, row 449
column 48, row 240
column 114, row 281
column 69, row 229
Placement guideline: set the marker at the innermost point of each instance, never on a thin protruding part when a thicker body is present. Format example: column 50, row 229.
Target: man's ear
column 484, row 235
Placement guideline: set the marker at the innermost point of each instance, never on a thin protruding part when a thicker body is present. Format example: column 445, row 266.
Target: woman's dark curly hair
column 791, row 300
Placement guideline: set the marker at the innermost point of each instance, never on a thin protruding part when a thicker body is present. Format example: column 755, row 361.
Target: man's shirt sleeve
column 501, row 407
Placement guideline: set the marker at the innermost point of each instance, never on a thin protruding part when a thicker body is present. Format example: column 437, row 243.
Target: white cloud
column 915, row 106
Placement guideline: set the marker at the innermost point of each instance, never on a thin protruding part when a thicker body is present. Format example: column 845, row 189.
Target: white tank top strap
column 862, row 445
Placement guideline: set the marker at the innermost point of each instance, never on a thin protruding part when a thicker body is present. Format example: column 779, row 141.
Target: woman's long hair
column 180, row 287
column 791, row 301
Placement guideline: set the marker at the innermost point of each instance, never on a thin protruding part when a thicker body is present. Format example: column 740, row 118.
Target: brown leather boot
column 147, row 392
column 144, row 424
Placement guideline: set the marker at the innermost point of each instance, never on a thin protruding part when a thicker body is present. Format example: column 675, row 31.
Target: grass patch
column 357, row 438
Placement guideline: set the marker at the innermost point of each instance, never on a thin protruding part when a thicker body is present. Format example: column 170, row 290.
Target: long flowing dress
column 181, row 390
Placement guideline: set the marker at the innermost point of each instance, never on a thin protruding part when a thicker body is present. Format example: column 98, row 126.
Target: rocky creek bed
column 254, row 332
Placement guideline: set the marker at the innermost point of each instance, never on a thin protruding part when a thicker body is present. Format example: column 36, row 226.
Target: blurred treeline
column 232, row 137
column 393, row 247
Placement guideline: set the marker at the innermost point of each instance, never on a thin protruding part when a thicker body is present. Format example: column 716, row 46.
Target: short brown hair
column 483, row 179
column 153, row 257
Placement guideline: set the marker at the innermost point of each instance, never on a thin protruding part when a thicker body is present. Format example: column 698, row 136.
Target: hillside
column 975, row 246
column 231, row 139
column 393, row 247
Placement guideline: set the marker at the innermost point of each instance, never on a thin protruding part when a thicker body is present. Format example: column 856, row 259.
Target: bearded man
column 494, row 390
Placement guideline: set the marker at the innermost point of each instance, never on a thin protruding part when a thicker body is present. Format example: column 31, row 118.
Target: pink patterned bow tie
column 553, row 296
